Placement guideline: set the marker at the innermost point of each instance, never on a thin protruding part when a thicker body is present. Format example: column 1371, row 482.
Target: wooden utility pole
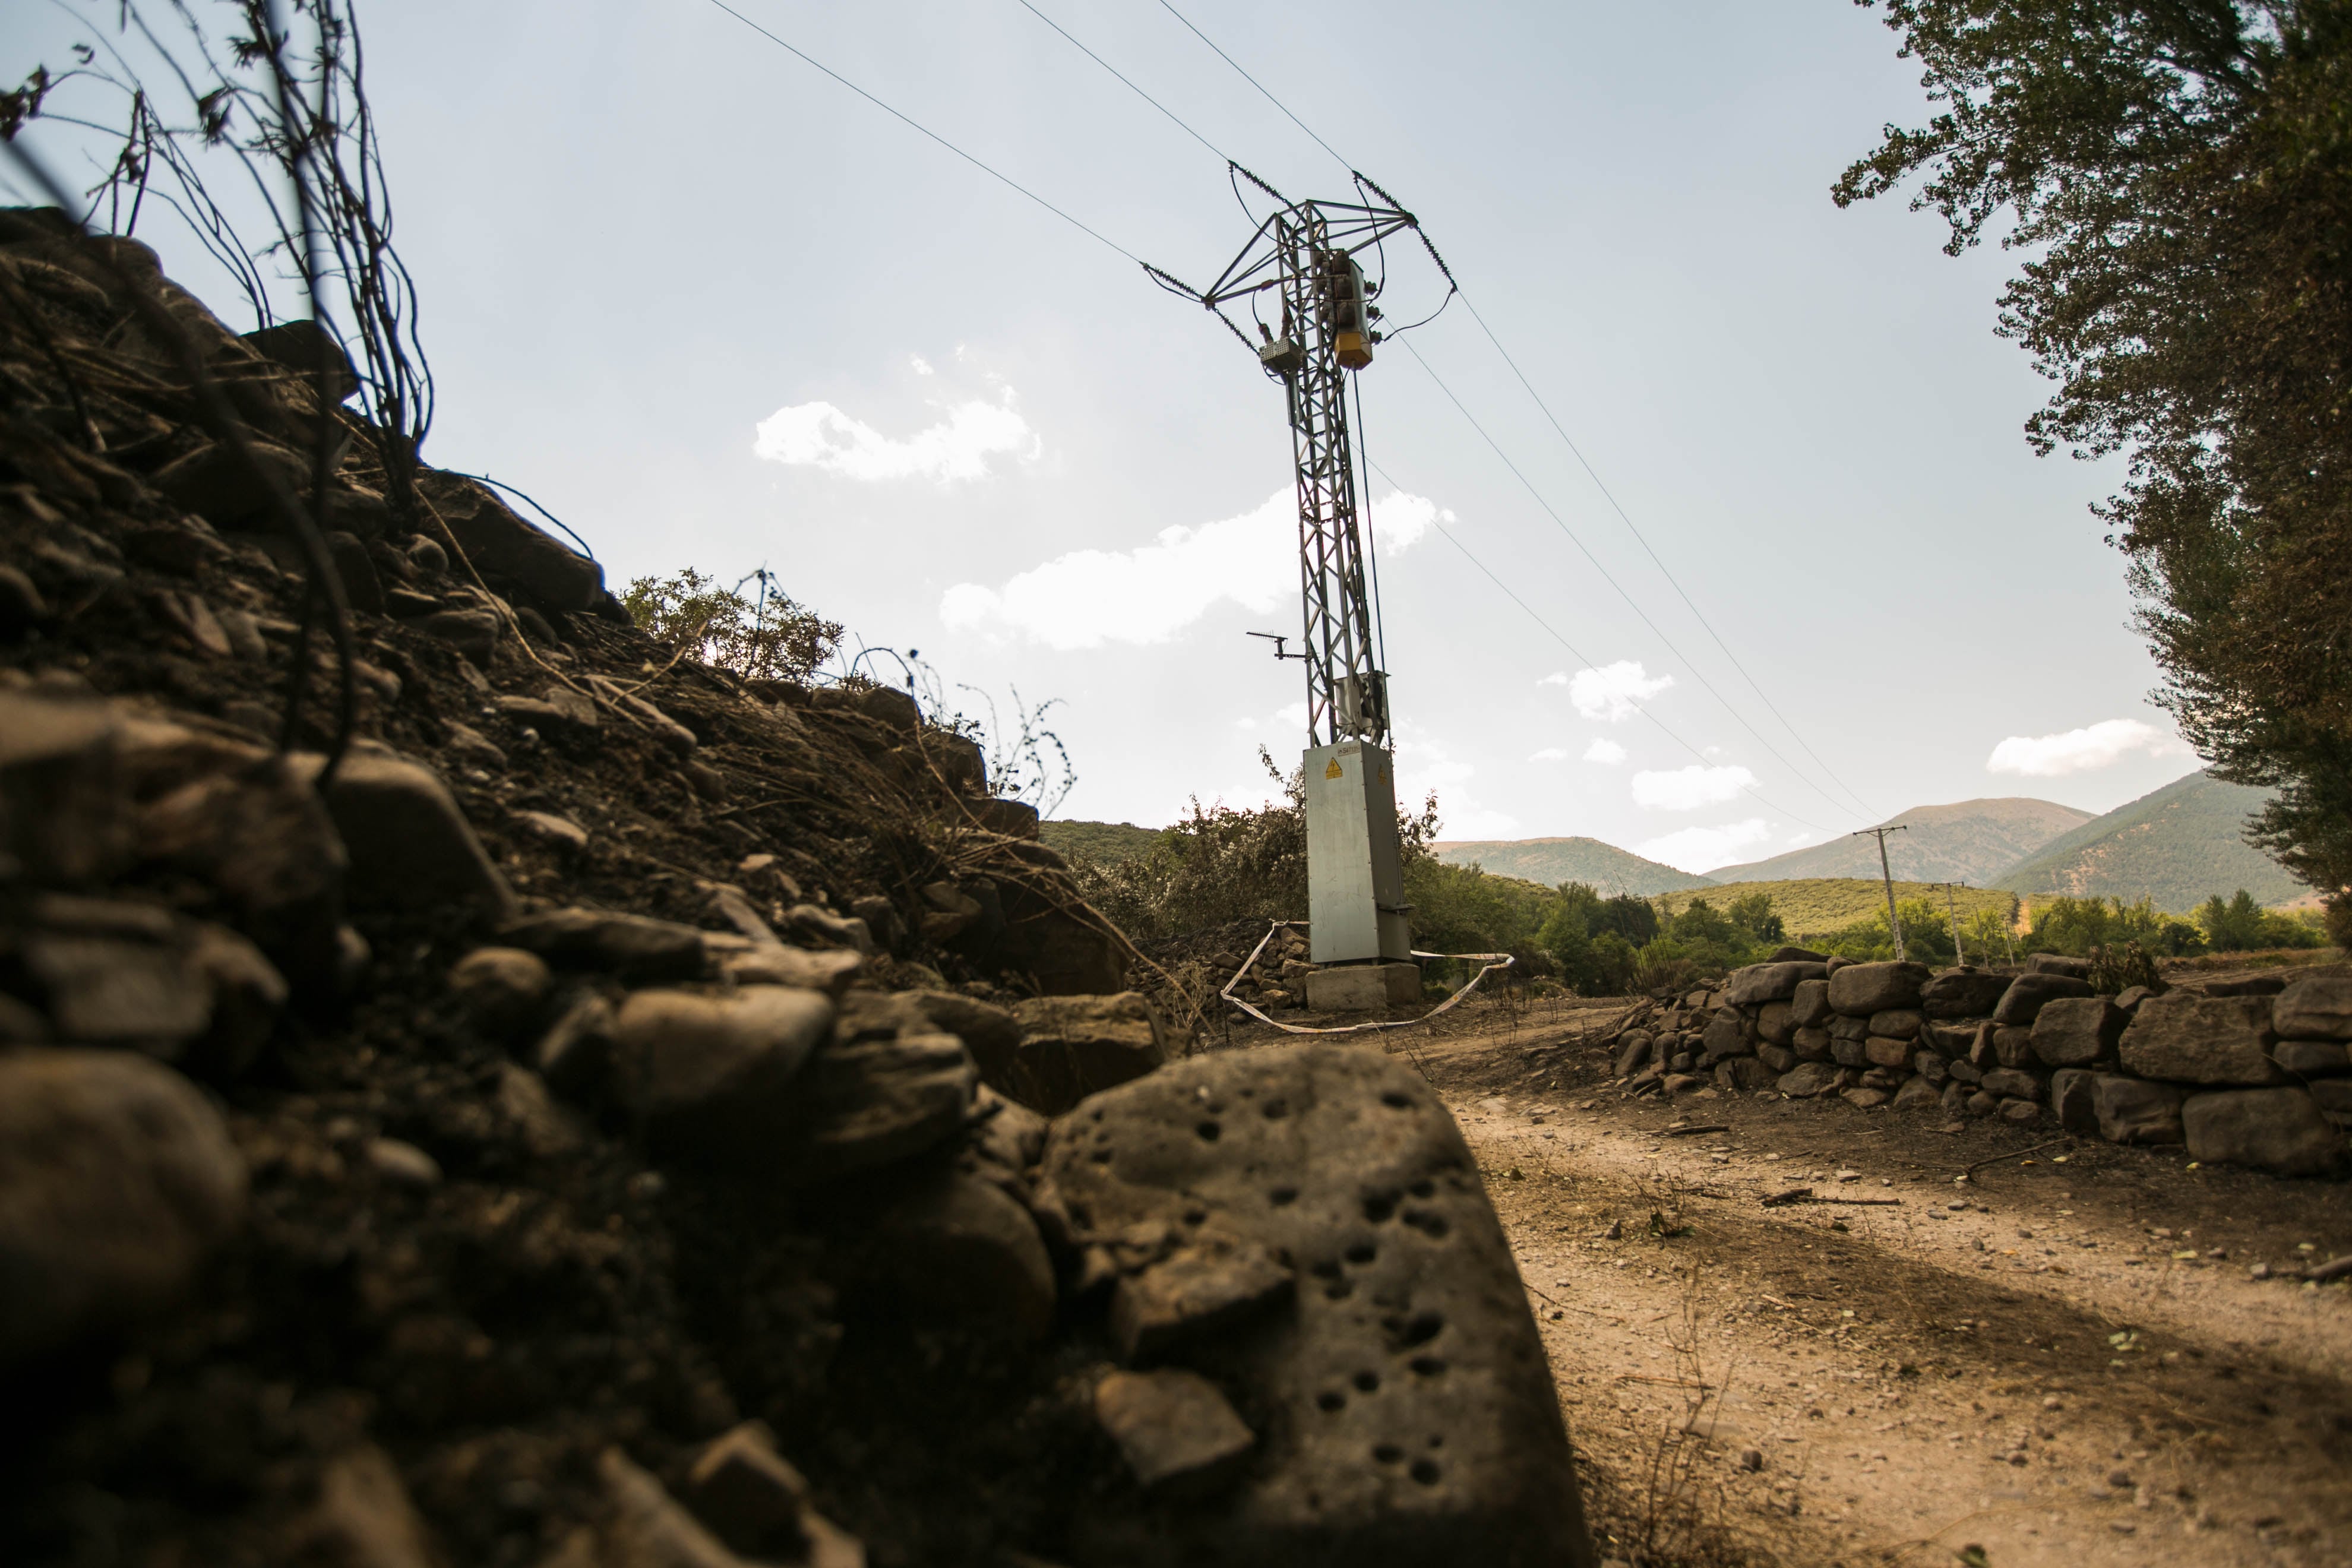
column 1959, row 955
column 1894, row 920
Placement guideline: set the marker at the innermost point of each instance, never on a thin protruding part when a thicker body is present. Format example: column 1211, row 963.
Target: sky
column 716, row 311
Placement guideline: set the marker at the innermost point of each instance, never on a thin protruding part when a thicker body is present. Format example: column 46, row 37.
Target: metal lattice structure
column 1304, row 255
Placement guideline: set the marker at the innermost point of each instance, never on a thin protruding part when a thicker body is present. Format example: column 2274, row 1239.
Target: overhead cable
column 991, row 172
column 1253, row 82
column 1630, row 602
column 1696, row 613
column 1581, row 460
column 1579, row 655
column 1131, row 87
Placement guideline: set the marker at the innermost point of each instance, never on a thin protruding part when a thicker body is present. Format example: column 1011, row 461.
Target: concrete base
column 1363, row 987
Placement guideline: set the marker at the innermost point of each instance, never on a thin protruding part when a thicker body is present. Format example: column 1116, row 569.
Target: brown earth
column 2076, row 1367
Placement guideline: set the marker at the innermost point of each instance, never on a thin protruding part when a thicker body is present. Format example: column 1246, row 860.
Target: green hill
column 1105, row 843
column 1966, row 841
column 2176, row 847
column 1817, row 906
column 1551, row 861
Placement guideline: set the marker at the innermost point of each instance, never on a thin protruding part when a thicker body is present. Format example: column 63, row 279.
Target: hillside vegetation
column 1105, row 842
column 1551, row 861
column 2176, row 848
column 1964, row 841
column 1818, row 905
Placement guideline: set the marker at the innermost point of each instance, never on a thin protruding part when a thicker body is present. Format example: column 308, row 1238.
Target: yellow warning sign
column 1334, row 772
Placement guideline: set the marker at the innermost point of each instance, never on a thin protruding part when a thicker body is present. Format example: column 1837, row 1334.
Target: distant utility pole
column 1958, row 956
column 1894, row 920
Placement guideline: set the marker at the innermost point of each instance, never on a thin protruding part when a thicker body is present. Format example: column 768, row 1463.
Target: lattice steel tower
column 1306, row 256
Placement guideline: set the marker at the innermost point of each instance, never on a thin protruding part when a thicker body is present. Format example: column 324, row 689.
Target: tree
column 2181, row 172
column 1753, row 913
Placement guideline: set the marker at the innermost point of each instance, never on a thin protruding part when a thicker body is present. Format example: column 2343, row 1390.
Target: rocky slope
column 616, row 1115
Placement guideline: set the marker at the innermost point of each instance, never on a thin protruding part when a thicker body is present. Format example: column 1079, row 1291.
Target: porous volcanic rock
column 1405, row 1408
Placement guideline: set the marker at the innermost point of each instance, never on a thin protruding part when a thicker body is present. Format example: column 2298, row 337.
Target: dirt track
column 2076, row 1367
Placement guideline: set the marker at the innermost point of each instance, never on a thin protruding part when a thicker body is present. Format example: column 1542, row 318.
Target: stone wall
column 2251, row 1072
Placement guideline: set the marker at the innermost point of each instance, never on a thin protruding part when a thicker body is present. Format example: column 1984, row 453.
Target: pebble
column 1849, row 1176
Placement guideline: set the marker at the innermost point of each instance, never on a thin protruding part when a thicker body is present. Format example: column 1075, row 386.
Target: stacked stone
column 2254, row 1072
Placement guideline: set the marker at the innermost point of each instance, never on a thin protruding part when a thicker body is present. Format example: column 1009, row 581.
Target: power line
column 1254, row 82
column 1631, row 603
column 1578, row 653
column 1696, row 613
column 1590, row 472
column 1122, row 76
column 990, row 171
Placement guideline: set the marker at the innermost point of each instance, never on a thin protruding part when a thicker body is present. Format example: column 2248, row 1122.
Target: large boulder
column 1897, row 1023
column 65, row 800
column 2311, row 1058
column 2134, row 1110
column 1808, row 1080
column 637, row 947
column 1761, row 982
column 1858, row 990
column 961, row 1251
column 2316, row 1007
column 711, row 1079
column 1724, row 1035
column 1962, row 993
column 1775, row 1023
column 1809, row 1004
column 117, row 1177
column 2057, row 963
column 2072, row 1097
column 1072, row 1046
column 2275, row 1129
column 2185, row 1038
column 2075, row 1031
column 512, row 554
column 1404, row 1408
column 2022, row 1002
column 410, row 845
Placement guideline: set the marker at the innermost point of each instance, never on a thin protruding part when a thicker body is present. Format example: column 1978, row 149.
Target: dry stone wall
column 2251, row 1072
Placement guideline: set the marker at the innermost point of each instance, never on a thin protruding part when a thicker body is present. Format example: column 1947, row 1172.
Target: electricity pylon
column 1305, row 254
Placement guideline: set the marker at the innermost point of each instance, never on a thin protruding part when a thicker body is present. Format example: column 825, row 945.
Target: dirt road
column 2064, row 1359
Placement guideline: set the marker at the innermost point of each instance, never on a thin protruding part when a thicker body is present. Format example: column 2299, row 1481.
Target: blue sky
column 715, row 311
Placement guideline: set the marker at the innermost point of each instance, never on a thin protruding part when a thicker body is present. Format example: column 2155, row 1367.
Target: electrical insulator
column 1346, row 319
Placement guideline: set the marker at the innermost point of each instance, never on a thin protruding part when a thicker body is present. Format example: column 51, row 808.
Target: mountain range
column 1967, row 841
column 1552, row 861
column 2176, row 847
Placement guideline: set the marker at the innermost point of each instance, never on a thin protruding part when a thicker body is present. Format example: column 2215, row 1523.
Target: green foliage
column 1220, row 864
column 1753, row 913
column 1812, row 908
column 2115, row 970
column 1105, row 843
column 2077, row 927
column 766, row 636
column 2182, row 174
column 2240, row 925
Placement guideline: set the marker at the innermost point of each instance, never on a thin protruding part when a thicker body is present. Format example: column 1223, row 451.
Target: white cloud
column 1089, row 597
column 818, row 435
column 1549, row 754
column 1613, row 692
column 1688, row 789
column 1605, row 751
column 2079, row 751
column 923, row 366
column 1399, row 520
column 1696, row 850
